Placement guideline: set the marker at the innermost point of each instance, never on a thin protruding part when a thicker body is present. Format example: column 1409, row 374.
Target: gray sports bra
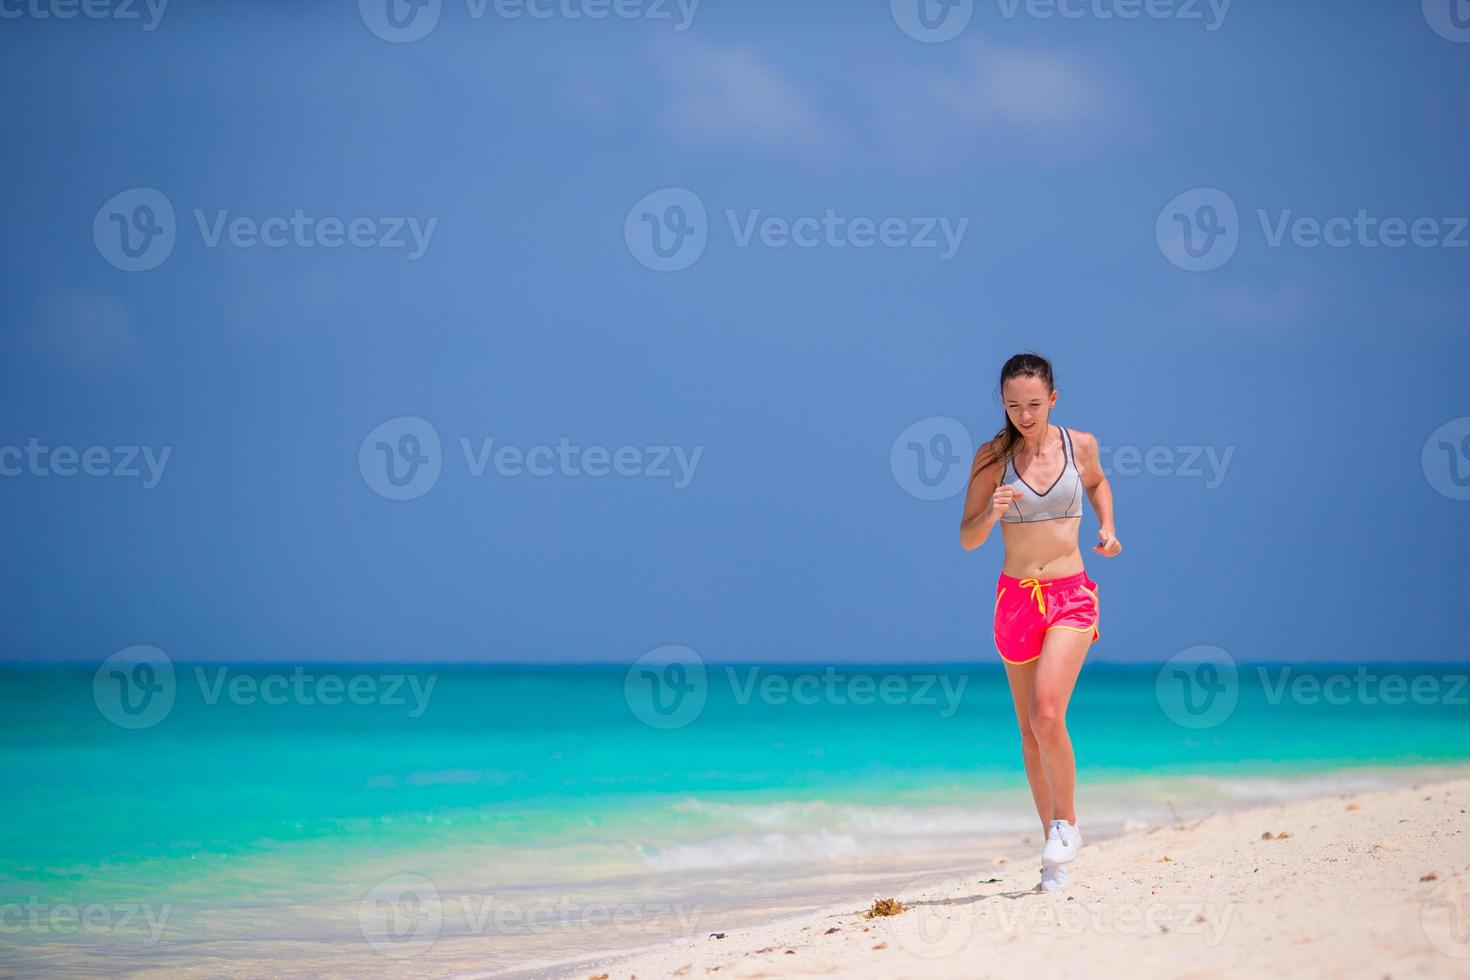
column 1062, row 499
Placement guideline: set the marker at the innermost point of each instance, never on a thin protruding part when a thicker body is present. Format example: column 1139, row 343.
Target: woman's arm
column 986, row 499
column 1099, row 491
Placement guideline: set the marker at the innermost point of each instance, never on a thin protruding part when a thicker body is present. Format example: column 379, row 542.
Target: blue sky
column 530, row 318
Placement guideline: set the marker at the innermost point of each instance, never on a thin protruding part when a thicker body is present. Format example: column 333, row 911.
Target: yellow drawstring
column 1035, row 586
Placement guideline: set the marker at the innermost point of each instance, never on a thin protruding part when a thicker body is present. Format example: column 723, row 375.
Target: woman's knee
column 1048, row 718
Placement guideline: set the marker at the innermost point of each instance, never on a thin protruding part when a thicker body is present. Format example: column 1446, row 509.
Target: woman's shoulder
column 1081, row 437
column 1084, row 444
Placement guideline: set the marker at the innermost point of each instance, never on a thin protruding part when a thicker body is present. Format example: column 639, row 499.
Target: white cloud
column 1039, row 92
column 1003, row 104
column 730, row 97
column 987, row 103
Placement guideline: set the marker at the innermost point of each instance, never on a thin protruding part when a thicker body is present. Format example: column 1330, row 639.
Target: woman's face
column 1028, row 403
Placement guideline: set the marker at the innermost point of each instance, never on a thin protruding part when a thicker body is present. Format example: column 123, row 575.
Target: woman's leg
column 1022, row 679
column 1055, row 676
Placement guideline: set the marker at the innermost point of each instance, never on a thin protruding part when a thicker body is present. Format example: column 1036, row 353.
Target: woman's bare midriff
column 1042, row 549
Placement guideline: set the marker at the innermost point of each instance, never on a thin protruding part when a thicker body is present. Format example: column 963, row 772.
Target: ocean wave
column 729, row 852
column 994, row 814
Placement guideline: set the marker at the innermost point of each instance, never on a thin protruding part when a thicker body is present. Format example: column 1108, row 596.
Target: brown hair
column 1028, row 364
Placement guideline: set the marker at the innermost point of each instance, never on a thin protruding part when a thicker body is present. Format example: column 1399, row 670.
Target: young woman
column 1030, row 479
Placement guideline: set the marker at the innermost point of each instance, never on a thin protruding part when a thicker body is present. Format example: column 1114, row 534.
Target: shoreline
column 1339, row 890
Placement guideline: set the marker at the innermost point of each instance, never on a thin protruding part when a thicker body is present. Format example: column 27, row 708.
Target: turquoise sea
column 356, row 819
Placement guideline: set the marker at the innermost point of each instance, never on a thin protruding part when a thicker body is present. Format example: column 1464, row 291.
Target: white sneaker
column 1062, row 842
column 1054, row 877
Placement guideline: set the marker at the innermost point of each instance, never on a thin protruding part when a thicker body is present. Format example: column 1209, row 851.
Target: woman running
column 1030, row 479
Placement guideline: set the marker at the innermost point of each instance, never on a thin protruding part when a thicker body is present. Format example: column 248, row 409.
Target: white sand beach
column 1370, row 884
